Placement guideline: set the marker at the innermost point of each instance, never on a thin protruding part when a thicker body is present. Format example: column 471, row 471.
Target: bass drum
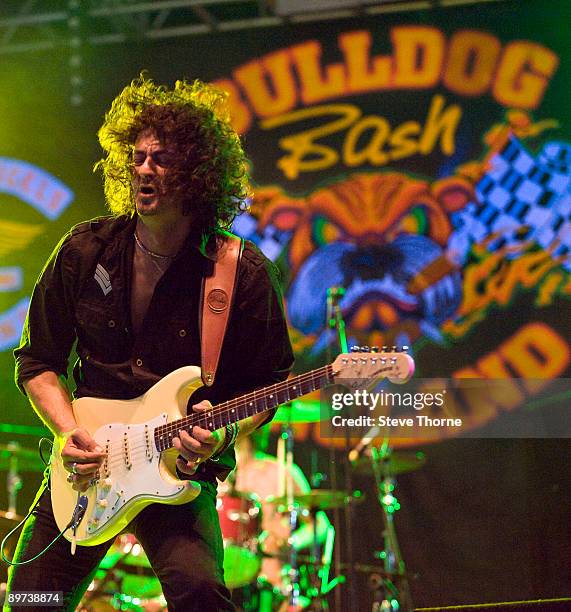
column 240, row 517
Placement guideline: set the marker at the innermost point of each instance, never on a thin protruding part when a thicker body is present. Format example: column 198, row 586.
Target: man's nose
column 147, row 167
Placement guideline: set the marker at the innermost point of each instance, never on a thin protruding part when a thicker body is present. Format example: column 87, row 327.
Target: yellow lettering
column 373, row 152
column 472, row 59
column 509, row 395
column 440, row 124
column 269, row 84
column 477, row 404
column 363, row 74
column 549, row 287
column 305, row 155
column 418, row 56
column 240, row 114
column 523, row 74
column 536, row 351
column 315, row 87
column 402, row 141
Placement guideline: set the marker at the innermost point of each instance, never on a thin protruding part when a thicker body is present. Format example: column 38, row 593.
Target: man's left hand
column 199, row 445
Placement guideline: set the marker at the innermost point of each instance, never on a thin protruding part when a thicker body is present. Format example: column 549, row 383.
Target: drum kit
column 14, row 459
column 125, row 580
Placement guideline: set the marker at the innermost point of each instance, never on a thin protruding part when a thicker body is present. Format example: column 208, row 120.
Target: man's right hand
column 81, row 457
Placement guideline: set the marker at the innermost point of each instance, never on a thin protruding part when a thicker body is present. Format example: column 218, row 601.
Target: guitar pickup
column 148, row 446
column 127, row 451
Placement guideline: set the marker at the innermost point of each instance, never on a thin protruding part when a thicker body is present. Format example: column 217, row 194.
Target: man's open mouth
column 147, row 190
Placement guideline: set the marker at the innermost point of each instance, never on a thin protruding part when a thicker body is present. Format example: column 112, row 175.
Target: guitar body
column 137, row 436
column 134, row 474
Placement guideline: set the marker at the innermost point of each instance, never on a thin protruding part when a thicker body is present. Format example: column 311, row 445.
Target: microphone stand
column 336, row 327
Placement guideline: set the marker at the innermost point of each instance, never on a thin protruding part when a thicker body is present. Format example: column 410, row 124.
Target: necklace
column 151, row 253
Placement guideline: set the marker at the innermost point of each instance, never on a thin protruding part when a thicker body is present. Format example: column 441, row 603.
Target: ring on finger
column 74, row 468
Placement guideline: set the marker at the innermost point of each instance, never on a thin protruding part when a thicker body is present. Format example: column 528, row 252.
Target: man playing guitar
column 127, row 288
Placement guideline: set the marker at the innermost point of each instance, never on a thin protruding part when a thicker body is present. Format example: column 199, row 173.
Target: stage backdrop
column 420, row 160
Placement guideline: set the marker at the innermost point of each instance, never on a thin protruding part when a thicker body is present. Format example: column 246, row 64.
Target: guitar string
column 228, row 406
column 224, row 408
column 202, row 420
column 199, row 419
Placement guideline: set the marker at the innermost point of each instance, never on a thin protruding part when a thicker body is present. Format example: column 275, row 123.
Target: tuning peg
column 393, row 349
column 385, row 348
column 404, row 348
column 365, row 349
column 374, row 349
column 355, row 349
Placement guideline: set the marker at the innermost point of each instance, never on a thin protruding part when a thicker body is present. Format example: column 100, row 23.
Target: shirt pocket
column 180, row 341
column 101, row 333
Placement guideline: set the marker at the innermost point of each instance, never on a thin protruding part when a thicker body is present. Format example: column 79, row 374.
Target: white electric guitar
column 139, row 468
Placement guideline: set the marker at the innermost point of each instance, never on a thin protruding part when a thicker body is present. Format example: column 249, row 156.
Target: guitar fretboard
column 247, row 405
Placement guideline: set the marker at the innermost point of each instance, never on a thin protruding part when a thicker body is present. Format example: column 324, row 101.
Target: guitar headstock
column 367, row 365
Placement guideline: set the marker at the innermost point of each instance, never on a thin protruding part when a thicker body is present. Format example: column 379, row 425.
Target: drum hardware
column 13, row 459
column 8, row 520
column 393, row 463
column 14, row 456
column 337, row 337
column 124, row 580
column 240, row 522
column 391, row 591
column 318, row 499
column 305, row 583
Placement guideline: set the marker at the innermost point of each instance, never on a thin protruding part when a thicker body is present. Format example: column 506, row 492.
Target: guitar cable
column 78, row 513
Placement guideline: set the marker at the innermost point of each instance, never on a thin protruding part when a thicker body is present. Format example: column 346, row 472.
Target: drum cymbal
column 29, row 459
column 395, row 463
column 320, row 499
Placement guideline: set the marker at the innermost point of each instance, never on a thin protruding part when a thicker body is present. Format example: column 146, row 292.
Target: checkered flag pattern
column 522, row 199
column 271, row 241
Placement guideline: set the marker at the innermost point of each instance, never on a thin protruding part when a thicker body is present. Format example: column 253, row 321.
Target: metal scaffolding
column 38, row 25
column 72, row 26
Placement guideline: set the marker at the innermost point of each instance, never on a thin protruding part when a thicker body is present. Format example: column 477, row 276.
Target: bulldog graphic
column 381, row 237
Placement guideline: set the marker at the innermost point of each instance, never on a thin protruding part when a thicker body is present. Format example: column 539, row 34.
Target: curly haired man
column 126, row 290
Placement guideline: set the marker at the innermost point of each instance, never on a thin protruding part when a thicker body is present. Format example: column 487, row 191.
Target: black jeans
column 183, row 544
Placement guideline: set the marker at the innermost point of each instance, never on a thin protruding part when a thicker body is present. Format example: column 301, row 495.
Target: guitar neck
column 245, row 406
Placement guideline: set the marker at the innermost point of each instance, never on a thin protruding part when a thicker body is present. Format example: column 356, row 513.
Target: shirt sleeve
column 49, row 333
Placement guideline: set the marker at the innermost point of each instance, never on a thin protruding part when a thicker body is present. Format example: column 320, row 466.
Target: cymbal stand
column 389, row 597
column 320, row 565
column 336, row 327
column 13, row 480
column 285, row 484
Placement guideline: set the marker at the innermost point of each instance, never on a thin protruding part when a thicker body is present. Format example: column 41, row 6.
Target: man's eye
column 162, row 158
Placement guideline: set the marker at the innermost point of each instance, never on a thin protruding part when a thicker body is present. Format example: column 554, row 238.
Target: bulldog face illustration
column 379, row 236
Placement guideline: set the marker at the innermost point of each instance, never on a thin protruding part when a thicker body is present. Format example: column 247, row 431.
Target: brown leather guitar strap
column 217, row 298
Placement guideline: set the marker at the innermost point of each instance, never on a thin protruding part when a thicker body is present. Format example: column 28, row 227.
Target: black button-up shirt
column 84, row 294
